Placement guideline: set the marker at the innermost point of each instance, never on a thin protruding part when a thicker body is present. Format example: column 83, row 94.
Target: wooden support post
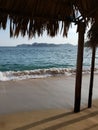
column 81, row 31
column 91, row 77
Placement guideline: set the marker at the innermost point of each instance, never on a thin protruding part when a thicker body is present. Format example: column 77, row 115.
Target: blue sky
column 5, row 39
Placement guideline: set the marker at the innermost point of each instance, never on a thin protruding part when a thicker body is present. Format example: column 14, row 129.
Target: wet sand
column 42, row 94
column 46, row 104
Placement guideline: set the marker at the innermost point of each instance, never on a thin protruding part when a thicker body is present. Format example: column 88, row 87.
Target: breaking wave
column 39, row 73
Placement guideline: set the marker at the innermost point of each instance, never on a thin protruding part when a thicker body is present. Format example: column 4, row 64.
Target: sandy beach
column 46, row 103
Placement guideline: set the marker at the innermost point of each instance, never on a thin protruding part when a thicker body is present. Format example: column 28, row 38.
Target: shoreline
column 41, row 73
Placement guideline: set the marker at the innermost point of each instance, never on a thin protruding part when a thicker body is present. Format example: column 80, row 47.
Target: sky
column 5, row 39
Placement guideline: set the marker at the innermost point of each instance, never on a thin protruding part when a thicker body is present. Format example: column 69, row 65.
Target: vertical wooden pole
column 91, row 77
column 81, row 31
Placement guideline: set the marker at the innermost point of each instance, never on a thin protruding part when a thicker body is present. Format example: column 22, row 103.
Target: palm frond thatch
column 31, row 17
column 89, row 12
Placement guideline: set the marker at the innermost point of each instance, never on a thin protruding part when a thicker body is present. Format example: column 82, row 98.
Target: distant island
column 43, row 45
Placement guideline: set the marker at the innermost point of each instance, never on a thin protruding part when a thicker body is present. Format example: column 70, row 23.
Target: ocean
column 18, row 63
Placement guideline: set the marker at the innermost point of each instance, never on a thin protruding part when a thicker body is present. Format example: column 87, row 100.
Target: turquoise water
column 13, row 59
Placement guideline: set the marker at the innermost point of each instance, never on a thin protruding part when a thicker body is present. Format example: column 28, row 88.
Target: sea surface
column 18, row 63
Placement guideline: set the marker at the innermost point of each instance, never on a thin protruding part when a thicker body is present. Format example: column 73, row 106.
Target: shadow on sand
column 60, row 125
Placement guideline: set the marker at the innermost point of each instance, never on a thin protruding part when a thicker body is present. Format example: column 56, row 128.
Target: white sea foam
column 39, row 73
column 3, row 76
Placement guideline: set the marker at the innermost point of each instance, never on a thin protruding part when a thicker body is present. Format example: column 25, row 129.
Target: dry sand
column 38, row 104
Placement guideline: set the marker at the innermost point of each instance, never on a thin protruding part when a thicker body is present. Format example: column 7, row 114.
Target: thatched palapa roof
column 32, row 17
column 89, row 12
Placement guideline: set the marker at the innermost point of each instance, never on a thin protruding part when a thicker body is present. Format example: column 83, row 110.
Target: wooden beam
column 91, row 77
column 88, row 15
column 81, row 31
